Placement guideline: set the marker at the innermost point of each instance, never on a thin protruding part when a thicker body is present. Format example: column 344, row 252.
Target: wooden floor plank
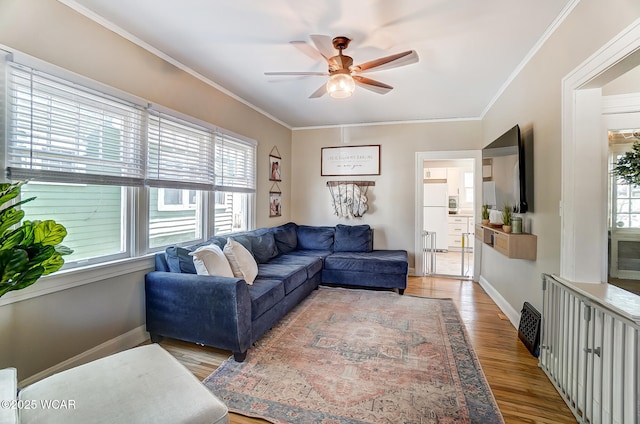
column 522, row 391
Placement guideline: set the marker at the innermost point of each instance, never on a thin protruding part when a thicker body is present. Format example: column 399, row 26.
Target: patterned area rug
column 358, row 356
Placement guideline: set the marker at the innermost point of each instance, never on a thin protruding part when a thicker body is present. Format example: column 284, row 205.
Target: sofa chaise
column 233, row 312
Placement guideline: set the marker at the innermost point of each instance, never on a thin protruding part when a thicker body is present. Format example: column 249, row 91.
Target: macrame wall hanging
column 349, row 198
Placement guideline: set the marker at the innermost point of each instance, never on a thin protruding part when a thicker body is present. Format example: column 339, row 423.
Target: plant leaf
column 12, row 263
column 9, row 217
column 52, row 264
column 9, row 191
column 28, row 277
column 63, row 250
column 49, row 232
column 14, row 238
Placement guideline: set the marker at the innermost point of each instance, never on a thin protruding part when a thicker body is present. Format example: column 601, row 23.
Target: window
column 174, row 216
column 468, row 187
column 94, row 216
column 625, row 198
column 81, row 149
column 173, row 199
column 92, row 159
column 235, row 182
column 233, row 214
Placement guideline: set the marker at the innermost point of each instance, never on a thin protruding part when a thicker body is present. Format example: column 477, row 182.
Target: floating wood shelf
column 514, row 246
column 358, row 183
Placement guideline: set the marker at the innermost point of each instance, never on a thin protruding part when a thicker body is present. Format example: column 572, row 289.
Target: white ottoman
column 141, row 385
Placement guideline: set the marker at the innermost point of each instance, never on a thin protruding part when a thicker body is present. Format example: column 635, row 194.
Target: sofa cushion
column 353, row 238
column 264, row 294
column 210, row 260
column 179, row 260
column 313, row 264
column 263, row 247
column 376, row 261
column 315, row 238
column 242, row 262
column 219, row 241
column 286, row 237
column 291, row 275
column 244, row 239
column 8, row 392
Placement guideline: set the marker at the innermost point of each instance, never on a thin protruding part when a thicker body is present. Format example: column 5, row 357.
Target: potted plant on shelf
column 29, row 251
column 507, row 217
column 485, row 214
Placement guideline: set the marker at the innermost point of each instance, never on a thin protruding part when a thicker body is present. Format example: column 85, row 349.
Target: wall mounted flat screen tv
column 507, row 171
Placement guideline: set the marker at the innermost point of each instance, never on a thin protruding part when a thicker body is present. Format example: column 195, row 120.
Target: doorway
column 623, row 206
column 446, row 203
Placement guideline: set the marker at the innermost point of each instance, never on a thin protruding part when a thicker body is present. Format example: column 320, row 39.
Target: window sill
column 67, row 279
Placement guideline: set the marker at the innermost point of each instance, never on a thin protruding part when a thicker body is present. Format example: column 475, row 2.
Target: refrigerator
column 436, row 212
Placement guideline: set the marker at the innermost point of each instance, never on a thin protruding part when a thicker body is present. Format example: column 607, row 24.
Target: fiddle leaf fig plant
column 29, row 251
column 627, row 167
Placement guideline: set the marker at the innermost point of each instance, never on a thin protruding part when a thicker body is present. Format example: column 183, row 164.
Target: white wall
column 392, row 199
column 533, row 100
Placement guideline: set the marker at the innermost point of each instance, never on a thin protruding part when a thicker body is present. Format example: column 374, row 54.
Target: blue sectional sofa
column 292, row 260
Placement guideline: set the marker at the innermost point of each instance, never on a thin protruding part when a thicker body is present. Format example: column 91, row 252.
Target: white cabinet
column 435, row 173
column 457, row 226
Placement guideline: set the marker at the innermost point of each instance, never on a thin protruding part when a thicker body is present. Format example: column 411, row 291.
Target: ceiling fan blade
column 322, row 74
column 324, row 44
column 388, row 62
column 319, row 92
column 372, row 85
column 309, row 50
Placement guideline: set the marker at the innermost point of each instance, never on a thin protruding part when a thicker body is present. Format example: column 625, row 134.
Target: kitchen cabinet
column 457, row 226
column 435, row 174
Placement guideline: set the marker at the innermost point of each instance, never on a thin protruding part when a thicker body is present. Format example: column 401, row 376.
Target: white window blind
column 235, row 164
column 61, row 132
column 180, row 154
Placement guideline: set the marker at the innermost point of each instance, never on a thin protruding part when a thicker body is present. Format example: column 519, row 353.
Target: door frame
column 583, row 239
column 420, row 158
column 621, row 112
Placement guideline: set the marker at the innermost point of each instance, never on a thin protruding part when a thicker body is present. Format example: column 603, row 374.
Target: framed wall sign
column 350, row 160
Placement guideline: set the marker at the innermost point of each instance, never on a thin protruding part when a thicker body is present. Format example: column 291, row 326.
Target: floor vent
column 529, row 329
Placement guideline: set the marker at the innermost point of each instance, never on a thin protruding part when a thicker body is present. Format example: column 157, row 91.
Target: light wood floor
column 522, row 390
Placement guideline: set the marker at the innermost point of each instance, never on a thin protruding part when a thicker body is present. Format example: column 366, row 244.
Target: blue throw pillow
column 263, row 247
column 218, row 241
column 178, row 260
column 353, row 238
column 315, row 238
column 286, row 237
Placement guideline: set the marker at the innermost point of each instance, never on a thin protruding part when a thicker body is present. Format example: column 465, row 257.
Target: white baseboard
column 505, row 307
column 123, row 342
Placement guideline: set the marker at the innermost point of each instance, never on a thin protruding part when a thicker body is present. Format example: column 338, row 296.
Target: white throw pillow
column 8, row 395
column 209, row 260
column 241, row 260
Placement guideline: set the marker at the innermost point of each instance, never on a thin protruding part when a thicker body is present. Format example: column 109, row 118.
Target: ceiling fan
column 343, row 74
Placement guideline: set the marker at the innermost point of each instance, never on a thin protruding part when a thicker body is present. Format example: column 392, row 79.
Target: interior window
column 94, row 216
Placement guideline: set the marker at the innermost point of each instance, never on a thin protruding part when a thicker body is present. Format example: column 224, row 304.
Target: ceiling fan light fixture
column 340, row 86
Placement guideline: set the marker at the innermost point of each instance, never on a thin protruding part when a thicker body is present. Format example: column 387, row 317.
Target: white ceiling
column 468, row 50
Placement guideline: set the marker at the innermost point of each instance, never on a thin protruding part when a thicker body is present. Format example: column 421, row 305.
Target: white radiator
column 590, row 351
